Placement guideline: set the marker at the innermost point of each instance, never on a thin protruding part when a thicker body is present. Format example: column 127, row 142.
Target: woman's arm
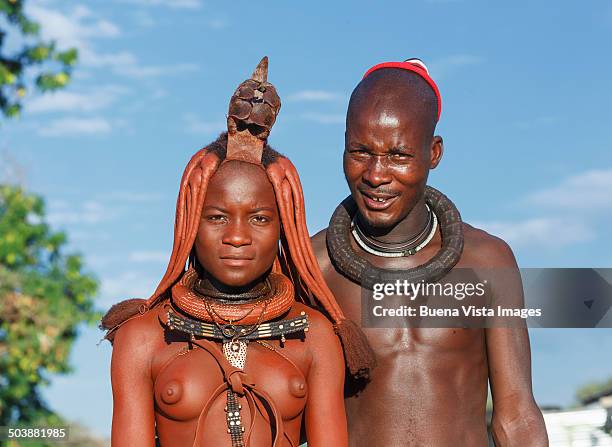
column 133, row 413
column 325, row 416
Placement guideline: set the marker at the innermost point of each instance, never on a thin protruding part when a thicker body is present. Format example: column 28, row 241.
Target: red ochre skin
column 430, row 385
column 240, row 219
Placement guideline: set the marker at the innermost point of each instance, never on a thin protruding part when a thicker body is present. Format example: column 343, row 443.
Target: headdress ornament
column 252, row 112
column 416, row 66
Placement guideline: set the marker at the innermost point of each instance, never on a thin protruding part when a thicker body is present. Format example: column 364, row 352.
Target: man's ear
column 435, row 151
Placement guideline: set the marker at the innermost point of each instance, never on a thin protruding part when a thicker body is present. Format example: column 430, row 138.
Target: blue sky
column 525, row 87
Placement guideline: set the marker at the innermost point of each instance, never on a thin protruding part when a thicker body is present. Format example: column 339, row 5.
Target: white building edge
column 583, row 427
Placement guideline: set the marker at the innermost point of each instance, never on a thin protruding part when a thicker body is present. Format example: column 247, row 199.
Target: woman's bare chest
column 187, row 379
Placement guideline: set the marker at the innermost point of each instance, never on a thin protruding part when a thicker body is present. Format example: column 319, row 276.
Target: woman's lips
column 236, row 262
column 377, row 203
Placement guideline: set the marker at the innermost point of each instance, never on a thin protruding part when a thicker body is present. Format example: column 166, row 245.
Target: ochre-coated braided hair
column 296, row 258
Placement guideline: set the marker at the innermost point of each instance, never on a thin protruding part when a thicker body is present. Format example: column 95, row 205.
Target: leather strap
column 241, row 384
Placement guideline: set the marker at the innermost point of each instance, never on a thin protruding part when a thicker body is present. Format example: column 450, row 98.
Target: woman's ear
column 192, row 262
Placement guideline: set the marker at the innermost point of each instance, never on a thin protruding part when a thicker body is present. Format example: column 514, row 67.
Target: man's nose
column 376, row 173
column 237, row 234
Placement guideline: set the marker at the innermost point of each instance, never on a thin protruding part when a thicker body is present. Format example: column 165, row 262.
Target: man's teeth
column 378, row 199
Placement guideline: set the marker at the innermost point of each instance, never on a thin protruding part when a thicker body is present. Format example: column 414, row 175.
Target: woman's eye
column 260, row 219
column 216, row 218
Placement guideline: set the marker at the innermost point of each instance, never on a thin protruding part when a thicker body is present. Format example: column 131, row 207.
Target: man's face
column 389, row 151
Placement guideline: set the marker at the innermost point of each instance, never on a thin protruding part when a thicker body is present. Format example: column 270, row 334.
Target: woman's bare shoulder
column 140, row 336
column 320, row 329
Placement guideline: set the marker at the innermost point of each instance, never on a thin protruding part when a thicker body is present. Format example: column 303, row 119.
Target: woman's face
column 238, row 235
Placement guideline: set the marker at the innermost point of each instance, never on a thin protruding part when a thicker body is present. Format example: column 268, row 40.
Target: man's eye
column 399, row 157
column 360, row 153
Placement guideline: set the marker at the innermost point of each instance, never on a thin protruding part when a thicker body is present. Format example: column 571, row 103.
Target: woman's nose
column 237, row 234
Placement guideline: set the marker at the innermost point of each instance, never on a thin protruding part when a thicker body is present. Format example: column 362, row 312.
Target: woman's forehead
column 238, row 181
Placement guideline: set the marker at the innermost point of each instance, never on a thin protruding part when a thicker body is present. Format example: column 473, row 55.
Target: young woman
column 222, row 354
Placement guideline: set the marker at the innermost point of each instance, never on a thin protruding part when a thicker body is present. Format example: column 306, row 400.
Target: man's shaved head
column 396, row 89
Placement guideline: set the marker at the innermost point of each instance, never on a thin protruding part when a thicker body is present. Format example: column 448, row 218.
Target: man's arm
column 133, row 414
column 325, row 415
column 517, row 420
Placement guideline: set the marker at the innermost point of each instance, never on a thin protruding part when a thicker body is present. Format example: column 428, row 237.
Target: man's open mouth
column 377, row 201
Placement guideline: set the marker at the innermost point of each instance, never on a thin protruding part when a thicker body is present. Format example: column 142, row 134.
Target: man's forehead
column 389, row 113
column 393, row 99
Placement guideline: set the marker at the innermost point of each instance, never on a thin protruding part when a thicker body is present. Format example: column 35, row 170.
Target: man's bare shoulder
column 318, row 242
column 482, row 249
column 319, row 245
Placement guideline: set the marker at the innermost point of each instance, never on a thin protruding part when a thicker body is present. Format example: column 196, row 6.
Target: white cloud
column 175, row 4
column 149, row 256
column 67, row 101
column 88, row 212
column 73, row 29
column 218, row 23
column 126, row 64
column 186, row 4
column 325, row 118
column 439, row 68
column 87, row 235
column 193, row 124
column 587, row 191
column 73, row 126
column 144, row 19
column 537, row 123
column 103, row 207
column 159, row 93
column 314, row 96
column 12, row 171
column 131, row 197
column 99, row 262
column 126, row 285
column 93, row 59
column 571, row 212
column 538, row 231
column 80, row 28
column 138, row 71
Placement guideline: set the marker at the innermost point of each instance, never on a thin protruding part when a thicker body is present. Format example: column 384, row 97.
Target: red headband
column 416, row 66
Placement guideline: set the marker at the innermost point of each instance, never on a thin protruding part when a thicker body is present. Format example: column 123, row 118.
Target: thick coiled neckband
column 359, row 270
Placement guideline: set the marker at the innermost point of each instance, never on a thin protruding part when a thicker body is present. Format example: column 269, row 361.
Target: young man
column 430, row 386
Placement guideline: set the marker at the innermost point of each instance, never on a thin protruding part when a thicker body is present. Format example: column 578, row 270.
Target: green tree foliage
column 591, row 389
column 52, row 67
column 44, row 296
